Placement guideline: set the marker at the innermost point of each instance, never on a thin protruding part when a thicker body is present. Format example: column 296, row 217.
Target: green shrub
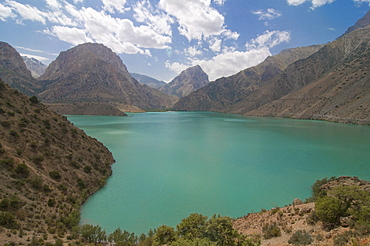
column 22, row 170
column 38, row 159
column 270, row 231
column 34, row 100
column 5, row 123
column 8, row 164
column 7, row 219
column 165, row 235
column 13, row 133
column 55, row 175
column 329, row 209
column 300, row 238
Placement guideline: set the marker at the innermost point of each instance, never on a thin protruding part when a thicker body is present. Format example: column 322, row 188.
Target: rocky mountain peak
column 361, row 23
column 189, row 80
column 14, row 72
column 36, row 67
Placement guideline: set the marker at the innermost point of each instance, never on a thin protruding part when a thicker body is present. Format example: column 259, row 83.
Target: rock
column 345, row 221
column 297, row 201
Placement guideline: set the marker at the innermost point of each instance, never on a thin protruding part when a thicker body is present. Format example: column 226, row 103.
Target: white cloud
column 6, row 12
column 362, row 1
column 268, row 14
column 196, row 18
column 219, row 2
column 215, row 44
column 71, row 35
column 296, row 2
column 230, row 61
column 268, row 39
column 26, row 11
column 193, row 51
column 114, row 5
column 159, row 21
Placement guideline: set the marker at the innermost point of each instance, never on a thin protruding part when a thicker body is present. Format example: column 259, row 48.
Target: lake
column 171, row 164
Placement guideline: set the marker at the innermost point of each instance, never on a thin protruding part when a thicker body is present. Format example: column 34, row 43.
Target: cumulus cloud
column 268, row 14
column 114, row 5
column 319, row 3
column 71, row 35
column 230, row 61
column 5, row 12
column 196, row 18
column 268, row 39
column 26, row 11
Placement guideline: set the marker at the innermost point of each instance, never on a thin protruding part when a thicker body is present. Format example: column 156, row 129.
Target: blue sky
column 160, row 38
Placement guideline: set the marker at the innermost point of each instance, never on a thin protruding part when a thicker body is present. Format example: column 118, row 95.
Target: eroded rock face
column 188, row 81
column 297, row 201
column 93, row 73
column 14, row 72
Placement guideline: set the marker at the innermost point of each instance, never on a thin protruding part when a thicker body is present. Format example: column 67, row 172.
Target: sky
column 161, row 38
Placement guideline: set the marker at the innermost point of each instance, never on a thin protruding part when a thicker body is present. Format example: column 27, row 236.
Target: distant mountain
column 152, row 82
column 14, row 72
column 48, row 168
column 225, row 92
column 93, row 73
column 186, row 82
column 332, row 84
column 361, row 23
column 36, row 67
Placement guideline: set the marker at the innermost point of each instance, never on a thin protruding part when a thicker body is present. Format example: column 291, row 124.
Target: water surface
column 171, row 164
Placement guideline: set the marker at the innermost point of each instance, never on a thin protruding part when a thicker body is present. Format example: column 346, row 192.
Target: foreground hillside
column 48, row 167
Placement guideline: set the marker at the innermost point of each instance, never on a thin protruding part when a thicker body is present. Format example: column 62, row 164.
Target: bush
column 7, row 164
column 55, row 175
column 38, row 159
column 192, row 226
column 5, row 123
column 34, row 100
column 7, row 219
column 270, row 231
column 22, row 170
column 165, row 235
column 329, row 209
column 300, row 238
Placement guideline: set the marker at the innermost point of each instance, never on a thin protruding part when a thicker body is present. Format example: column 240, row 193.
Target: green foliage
column 165, row 235
column 47, row 124
column 22, row 170
column 38, row 159
column 23, row 122
column 270, row 231
column 122, row 238
column 317, row 192
column 220, row 230
column 300, row 238
column 55, row 175
column 6, row 123
column 7, row 219
column 87, row 169
column 8, row 164
column 92, row 234
column 192, row 226
column 71, row 220
column 36, row 182
column 12, row 203
column 329, row 209
column 34, row 100
column 193, row 242
column 51, row 202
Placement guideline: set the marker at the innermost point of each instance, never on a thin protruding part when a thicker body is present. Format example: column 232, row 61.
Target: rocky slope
column 14, row 72
column 143, row 79
column 186, row 82
column 361, row 23
column 225, row 92
column 36, row 67
column 278, row 225
column 48, row 168
column 93, row 73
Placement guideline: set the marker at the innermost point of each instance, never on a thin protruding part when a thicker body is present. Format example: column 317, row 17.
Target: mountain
column 14, row 72
column 48, row 168
column 361, row 23
column 143, row 79
column 333, row 84
column 36, row 67
column 93, row 73
column 225, row 92
column 186, row 82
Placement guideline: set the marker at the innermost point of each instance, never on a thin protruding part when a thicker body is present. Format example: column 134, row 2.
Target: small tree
column 329, row 209
column 34, row 100
column 165, row 235
column 300, row 238
column 192, row 226
column 92, row 234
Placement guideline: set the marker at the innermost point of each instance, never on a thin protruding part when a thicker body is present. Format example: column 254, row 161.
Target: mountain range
column 36, row 67
column 328, row 82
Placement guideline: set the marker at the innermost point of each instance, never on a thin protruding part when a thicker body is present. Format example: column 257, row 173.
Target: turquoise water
column 171, row 164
